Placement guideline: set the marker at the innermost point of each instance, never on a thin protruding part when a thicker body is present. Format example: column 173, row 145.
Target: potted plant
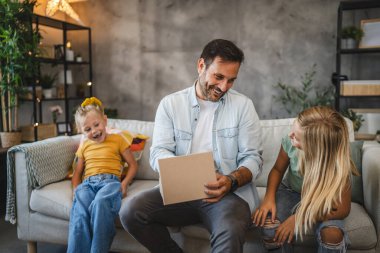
column 46, row 82
column 296, row 99
column 18, row 45
column 351, row 36
column 78, row 58
column 357, row 119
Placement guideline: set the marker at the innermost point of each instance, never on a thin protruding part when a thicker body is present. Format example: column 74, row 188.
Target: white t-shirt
column 202, row 138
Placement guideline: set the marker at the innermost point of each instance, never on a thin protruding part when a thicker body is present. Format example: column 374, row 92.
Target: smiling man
column 208, row 116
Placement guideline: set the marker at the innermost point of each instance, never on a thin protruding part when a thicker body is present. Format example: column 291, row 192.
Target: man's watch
column 234, row 183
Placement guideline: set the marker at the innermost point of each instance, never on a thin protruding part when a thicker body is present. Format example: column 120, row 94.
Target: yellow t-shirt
column 105, row 157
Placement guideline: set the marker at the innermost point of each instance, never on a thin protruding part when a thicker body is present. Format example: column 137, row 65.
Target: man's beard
column 209, row 90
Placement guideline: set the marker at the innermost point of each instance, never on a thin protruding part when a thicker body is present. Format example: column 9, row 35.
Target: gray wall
column 146, row 49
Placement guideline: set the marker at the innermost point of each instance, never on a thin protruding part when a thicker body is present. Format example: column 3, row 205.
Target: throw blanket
column 47, row 161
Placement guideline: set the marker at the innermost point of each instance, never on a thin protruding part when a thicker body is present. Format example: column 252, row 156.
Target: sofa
column 43, row 197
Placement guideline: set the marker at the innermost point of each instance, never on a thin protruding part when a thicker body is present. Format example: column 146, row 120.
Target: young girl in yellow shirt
column 97, row 199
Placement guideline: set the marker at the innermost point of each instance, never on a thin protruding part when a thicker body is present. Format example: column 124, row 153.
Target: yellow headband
column 91, row 101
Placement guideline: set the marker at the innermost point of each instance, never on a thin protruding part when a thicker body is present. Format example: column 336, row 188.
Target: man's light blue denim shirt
column 236, row 135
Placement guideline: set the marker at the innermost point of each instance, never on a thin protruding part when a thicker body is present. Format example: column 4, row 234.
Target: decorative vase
column 9, row 139
column 349, row 43
column 48, row 93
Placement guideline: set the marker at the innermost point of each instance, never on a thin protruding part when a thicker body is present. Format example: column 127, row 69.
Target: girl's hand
column 261, row 213
column 124, row 189
column 285, row 232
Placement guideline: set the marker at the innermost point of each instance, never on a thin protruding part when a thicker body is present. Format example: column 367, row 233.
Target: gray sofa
column 43, row 209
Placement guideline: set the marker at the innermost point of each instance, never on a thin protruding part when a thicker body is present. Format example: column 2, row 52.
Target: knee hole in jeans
column 268, row 232
column 331, row 235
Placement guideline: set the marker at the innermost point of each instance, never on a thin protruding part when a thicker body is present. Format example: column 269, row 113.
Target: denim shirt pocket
column 228, row 142
column 182, row 140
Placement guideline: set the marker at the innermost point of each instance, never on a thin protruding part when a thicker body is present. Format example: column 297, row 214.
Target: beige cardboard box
column 182, row 178
column 360, row 88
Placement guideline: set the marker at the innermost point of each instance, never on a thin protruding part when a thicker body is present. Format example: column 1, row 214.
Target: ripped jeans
column 286, row 201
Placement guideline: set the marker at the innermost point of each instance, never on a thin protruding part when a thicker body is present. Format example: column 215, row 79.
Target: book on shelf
column 360, row 88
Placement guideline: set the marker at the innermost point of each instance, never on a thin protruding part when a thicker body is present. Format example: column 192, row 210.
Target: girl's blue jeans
column 92, row 219
column 286, row 201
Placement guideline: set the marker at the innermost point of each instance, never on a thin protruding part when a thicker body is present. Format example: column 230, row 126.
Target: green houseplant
column 357, row 119
column 46, row 81
column 296, row 99
column 18, row 46
column 351, row 36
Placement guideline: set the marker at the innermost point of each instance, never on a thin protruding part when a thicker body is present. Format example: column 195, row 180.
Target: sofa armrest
column 34, row 165
column 371, row 183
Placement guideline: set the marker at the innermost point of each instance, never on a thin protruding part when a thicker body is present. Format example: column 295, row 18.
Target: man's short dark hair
column 225, row 49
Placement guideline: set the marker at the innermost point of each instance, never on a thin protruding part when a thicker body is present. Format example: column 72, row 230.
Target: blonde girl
column 97, row 199
column 316, row 193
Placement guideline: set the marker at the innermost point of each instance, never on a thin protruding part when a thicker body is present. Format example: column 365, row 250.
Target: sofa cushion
column 357, row 181
column 143, row 127
column 53, row 199
column 272, row 133
column 56, row 199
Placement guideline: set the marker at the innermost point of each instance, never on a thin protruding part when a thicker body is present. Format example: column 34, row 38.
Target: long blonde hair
column 325, row 164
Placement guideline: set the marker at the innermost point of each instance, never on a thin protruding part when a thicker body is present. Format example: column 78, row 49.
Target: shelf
column 359, row 5
column 359, row 51
column 346, row 94
column 366, row 110
column 46, row 21
column 51, row 99
column 66, row 99
column 359, row 96
column 56, row 61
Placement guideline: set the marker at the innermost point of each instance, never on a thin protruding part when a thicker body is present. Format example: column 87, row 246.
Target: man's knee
column 230, row 233
column 128, row 212
column 331, row 235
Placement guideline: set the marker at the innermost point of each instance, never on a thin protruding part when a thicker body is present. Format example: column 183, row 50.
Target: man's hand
column 217, row 189
column 222, row 185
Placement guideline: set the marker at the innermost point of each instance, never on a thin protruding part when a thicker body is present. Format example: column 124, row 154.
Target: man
column 209, row 116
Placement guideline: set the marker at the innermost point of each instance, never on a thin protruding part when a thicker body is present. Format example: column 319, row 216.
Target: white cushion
column 56, row 199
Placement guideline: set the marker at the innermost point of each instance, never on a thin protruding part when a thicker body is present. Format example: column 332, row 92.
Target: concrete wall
column 146, row 49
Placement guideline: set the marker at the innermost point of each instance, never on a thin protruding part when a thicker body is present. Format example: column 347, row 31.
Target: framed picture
column 61, row 127
column 58, row 52
column 47, row 51
column 371, row 29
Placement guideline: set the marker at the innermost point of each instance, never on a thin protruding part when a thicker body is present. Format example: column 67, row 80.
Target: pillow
column 137, row 148
column 356, row 181
column 137, row 145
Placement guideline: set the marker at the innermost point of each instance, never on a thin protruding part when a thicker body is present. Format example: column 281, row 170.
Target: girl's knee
column 268, row 231
column 331, row 235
